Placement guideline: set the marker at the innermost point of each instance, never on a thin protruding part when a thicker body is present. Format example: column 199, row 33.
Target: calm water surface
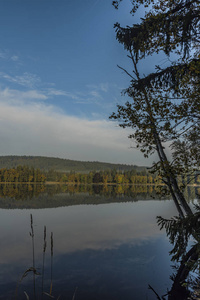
column 105, row 251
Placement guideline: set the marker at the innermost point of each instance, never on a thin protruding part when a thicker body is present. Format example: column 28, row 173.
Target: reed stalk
column 43, row 262
column 51, row 286
column 33, row 269
column 74, row 295
column 33, row 257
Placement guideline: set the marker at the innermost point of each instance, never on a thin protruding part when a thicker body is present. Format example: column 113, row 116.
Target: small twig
column 126, row 72
column 158, row 297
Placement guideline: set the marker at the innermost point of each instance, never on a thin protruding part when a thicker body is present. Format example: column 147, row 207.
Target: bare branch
column 126, row 72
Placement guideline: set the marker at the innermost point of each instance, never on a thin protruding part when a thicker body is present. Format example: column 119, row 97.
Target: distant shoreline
column 100, row 183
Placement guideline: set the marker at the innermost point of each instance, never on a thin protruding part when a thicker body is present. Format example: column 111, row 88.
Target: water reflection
column 45, row 196
column 113, row 250
column 109, row 251
column 184, row 235
column 82, row 227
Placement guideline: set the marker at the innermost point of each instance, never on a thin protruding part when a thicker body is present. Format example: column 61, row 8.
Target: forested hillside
column 62, row 165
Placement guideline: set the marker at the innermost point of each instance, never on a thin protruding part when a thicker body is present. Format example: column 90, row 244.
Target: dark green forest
column 62, row 165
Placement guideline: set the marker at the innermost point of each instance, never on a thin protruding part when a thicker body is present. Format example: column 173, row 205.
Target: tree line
column 115, row 177
column 103, row 177
column 21, row 174
column 108, row 177
column 27, row 174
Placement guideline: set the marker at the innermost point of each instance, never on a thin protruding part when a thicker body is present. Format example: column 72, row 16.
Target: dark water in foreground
column 109, row 251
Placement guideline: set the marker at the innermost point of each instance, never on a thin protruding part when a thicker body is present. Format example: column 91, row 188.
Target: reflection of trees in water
column 184, row 235
column 28, row 191
column 183, row 232
column 46, row 196
column 21, row 191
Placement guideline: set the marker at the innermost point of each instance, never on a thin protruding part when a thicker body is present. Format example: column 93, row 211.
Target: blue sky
column 59, row 80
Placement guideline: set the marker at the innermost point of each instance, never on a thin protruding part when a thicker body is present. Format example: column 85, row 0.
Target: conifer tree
column 164, row 106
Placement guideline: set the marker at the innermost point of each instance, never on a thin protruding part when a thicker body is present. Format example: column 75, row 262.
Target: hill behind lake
column 62, row 165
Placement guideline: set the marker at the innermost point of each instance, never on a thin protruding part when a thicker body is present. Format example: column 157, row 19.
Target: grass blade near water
column 34, row 271
column 33, row 252
column 51, row 286
column 43, row 261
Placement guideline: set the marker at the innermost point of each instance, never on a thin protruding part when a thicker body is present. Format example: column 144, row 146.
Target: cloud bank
column 29, row 126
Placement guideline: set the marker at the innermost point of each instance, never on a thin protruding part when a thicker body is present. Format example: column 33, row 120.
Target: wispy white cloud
column 14, row 58
column 95, row 94
column 3, row 54
column 56, row 92
column 104, row 87
column 101, row 87
column 6, row 55
column 16, row 96
column 28, row 80
column 36, row 94
column 88, row 96
column 92, row 94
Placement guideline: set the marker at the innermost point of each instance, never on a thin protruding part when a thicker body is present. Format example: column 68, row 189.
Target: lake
column 104, row 246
